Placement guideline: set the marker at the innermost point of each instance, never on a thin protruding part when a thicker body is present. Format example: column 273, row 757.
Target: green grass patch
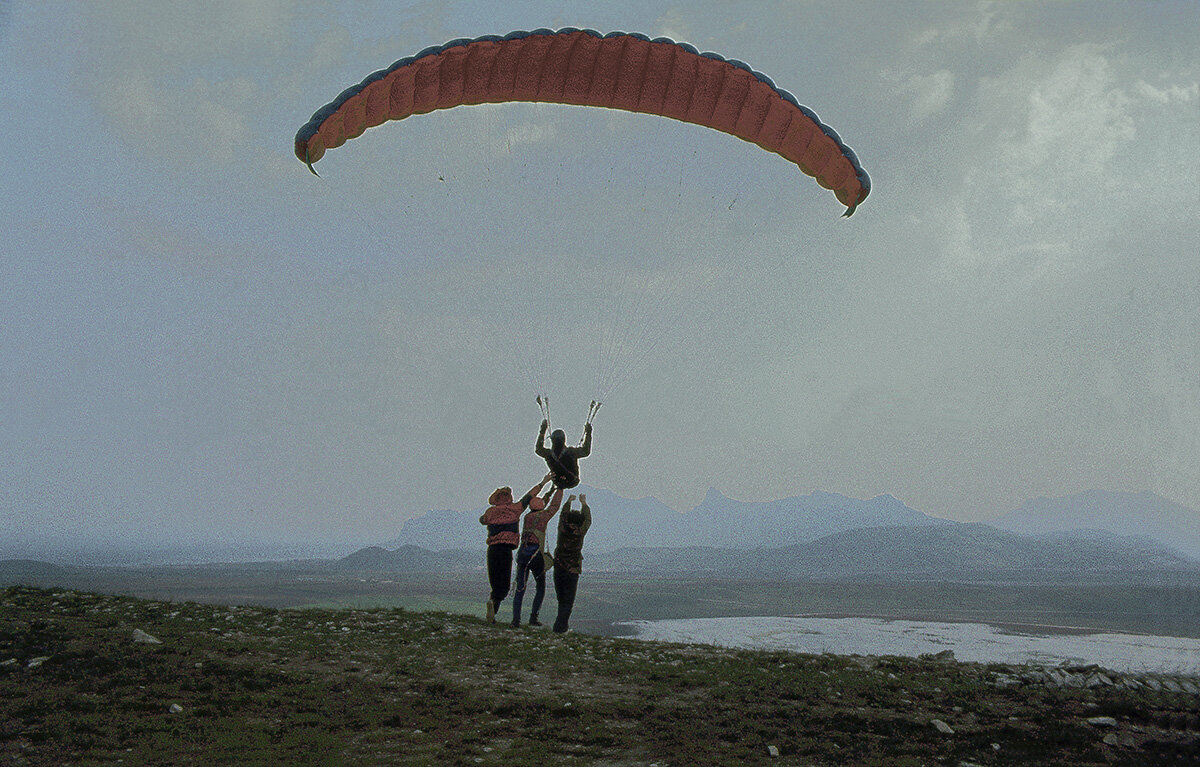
column 381, row 685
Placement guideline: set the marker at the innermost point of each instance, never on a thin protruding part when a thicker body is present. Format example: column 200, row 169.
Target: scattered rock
column 9, row 662
column 142, row 637
column 1098, row 680
column 942, row 727
column 1102, row 721
column 945, row 656
column 35, row 662
column 175, row 708
column 1110, row 739
column 772, row 751
column 1034, row 676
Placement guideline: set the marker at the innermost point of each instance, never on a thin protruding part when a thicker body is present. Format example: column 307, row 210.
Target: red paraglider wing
column 583, row 67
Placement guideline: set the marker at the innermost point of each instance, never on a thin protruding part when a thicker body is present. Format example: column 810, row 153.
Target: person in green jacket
column 568, row 557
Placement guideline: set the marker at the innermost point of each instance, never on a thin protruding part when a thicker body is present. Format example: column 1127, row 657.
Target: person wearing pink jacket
column 502, row 518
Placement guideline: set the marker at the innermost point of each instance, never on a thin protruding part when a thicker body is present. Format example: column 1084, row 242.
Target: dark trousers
column 529, row 560
column 565, row 584
column 499, row 564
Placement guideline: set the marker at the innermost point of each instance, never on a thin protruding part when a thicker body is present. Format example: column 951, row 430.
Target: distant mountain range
column 1143, row 514
column 718, row 522
column 821, row 535
column 954, row 550
column 830, row 535
column 950, row 550
column 723, row 523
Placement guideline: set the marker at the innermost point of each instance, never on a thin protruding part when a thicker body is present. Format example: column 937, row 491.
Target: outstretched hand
column 571, row 498
column 583, row 497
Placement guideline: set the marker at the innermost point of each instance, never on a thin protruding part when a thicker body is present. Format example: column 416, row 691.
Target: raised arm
column 585, row 449
column 541, row 448
column 587, row 515
column 566, row 513
column 535, row 490
column 553, row 505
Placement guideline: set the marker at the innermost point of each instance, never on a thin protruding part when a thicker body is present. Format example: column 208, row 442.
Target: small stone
column 175, row 708
column 942, row 727
column 1074, row 681
column 1110, row 739
column 996, row 747
column 35, row 662
column 141, row 637
column 1102, row 721
column 772, row 751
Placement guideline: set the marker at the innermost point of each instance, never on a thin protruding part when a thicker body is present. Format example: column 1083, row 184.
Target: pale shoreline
column 1007, row 643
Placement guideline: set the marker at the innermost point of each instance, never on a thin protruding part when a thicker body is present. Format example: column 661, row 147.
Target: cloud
column 1010, row 313
column 530, row 134
column 172, row 75
column 1171, row 94
column 977, row 23
column 1077, row 120
column 927, row 95
column 674, row 24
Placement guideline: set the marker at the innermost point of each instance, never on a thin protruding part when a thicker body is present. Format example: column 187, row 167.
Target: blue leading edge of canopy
column 310, row 128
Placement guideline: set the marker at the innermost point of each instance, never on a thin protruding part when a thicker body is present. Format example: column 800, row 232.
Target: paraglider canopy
column 619, row 71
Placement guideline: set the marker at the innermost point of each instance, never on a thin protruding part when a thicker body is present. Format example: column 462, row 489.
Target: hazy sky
column 199, row 340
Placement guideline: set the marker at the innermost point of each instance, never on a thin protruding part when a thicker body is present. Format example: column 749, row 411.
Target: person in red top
column 530, row 559
column 503, row 517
